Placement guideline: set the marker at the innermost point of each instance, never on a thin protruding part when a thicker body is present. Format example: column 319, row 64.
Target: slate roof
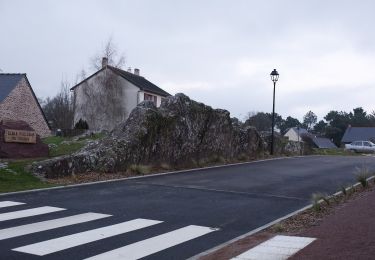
column 138, row 81
column 324, row 143
column 7, row 83
column 358, row 134
column 301, row 130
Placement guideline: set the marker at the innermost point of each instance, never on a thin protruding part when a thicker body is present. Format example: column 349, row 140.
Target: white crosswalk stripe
column 65, row 242
column 136, row 250
column 155, row 244
column 4, row 204
column 28, row 213
column 49, row 224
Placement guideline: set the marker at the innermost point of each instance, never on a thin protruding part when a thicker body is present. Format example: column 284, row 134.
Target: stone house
column 107, row 97
column 18, row 102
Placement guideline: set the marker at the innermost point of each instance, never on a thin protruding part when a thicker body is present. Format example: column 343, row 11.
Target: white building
column 295, row 134
column 107, row 97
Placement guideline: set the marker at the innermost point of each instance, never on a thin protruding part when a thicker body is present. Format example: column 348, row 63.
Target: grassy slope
column 15, row 177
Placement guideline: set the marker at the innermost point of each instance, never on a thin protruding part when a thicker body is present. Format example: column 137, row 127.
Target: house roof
column 358, row 133
column 322, row 142
column 8, row 82
column 301, row 130
column 138, row 81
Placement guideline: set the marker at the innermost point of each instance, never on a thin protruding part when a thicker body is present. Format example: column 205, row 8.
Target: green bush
column 81, row 124
column 362, row 174
column 139, row 169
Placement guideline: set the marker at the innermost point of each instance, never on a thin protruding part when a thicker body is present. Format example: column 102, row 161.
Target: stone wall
column 21, row 105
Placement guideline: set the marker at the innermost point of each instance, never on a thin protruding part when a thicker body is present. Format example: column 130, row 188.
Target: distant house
column 295, row 134
column 107, row 97
column 298, row 134
column 358, row 134
column 18, row 102
column 323, row 143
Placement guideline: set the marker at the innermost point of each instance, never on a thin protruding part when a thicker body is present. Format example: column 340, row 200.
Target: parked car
column 361, row 146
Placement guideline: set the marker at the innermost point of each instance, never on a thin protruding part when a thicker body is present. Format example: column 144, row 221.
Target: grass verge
column 15, row 177
column 66, row 145
column 337, row 151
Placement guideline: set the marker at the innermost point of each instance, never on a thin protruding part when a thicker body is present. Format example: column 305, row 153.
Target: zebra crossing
column 136, row 250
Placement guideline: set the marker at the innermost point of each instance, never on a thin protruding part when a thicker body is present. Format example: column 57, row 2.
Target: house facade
column 295, row 134
column 107, row 97
column 18, row 102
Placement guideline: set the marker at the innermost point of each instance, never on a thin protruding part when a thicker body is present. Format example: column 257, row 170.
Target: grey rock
column 181, row 132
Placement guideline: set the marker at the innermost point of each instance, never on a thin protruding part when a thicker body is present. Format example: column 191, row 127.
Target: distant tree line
column 333, row 126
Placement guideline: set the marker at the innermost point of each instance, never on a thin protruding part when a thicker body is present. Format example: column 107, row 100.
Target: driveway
column 173, row 216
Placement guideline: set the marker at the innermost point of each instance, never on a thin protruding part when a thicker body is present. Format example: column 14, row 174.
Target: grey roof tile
column 140, row 82
column 358, row 134
column 7, row 83
column 322, row 142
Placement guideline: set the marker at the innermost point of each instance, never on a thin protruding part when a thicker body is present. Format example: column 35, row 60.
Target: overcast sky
column 217, row 52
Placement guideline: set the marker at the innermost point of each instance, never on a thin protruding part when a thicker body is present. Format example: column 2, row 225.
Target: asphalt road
column 232, row 200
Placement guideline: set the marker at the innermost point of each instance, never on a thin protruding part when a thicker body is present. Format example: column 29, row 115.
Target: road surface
column 172, row 216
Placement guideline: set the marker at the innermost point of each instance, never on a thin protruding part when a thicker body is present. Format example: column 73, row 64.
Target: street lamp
column 274, row 77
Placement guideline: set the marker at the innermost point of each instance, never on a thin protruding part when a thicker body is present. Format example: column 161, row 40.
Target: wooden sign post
column 19, row 136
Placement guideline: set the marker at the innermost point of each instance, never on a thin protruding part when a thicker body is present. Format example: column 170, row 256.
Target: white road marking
column 278, row 248
column 49, row 224
column 28, row 213
column 4, row 204
column 65, row 242
column 154, row 244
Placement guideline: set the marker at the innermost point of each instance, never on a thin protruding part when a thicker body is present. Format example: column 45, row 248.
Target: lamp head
column 274, row 75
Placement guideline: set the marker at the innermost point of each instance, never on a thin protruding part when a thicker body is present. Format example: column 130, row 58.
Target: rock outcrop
column 181, row 132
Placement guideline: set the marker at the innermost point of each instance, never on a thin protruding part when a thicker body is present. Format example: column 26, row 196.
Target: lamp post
column 274, row 77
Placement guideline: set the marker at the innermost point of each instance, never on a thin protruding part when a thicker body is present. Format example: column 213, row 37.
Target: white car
column 361, row 146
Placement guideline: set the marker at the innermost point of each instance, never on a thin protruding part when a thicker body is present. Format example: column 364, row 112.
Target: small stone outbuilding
column 18, row 102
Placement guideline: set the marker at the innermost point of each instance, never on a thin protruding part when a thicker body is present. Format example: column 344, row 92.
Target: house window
column 151, row 98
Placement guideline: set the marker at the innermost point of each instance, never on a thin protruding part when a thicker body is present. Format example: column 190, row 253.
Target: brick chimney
column 136, row 71
column 104, row 62
column 130, row 69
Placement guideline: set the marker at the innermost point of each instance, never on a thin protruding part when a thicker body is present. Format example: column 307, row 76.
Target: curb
column 151, row 175
column 254, row 231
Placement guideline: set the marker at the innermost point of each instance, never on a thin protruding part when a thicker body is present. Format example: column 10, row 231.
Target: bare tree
column 59, row 109
column 110, row 51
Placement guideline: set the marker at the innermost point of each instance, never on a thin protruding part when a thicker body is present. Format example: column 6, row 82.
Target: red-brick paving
column 349, row 233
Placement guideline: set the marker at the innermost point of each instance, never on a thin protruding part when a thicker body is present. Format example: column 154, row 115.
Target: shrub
column 81, row 124
column 316, row 202
column 278, row 228
column 165, row 166
column 343, row 190
column 317, row 198
column 361, row 175
column 243, row 157
column 139, row 169
column 217, row 159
